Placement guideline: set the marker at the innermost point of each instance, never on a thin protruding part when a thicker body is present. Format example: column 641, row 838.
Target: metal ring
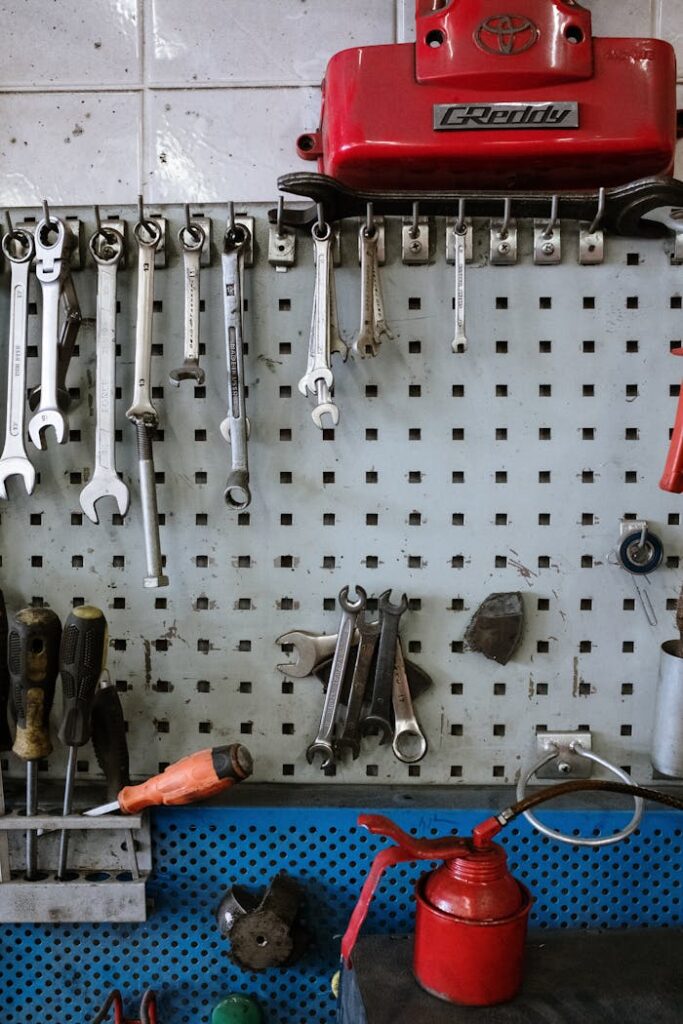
column 196, row 235
column 22, row 238
column 153, row 232
column 113, row 244
column 560, row 837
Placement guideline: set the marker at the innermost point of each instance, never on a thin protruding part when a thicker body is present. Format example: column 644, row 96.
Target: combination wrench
column 191, row 238
column 379, row 713
column 235, row 428
column 324, row 741
column 52, row 269
column 18, row 248
column 142, row 413
column 409, row 743
column 312, row 650
column 106, row 247
column 459, row 343
column 349, row 736
column 373, row 325
column 324, row 338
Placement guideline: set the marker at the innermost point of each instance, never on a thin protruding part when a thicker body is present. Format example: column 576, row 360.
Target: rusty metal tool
column 349, row 734
column 379, row 714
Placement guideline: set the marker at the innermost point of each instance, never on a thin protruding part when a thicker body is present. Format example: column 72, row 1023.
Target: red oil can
column 470, row 920
column 493, row 100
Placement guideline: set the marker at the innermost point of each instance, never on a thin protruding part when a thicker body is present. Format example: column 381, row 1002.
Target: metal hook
column 46, row 211
column 280, row 214
column 231, row 217
column 321, row 219
column 505, row 226
column 8, row 220
column 98, row 220
column 414, row 227
column 460, row 226
column 600, row 214
column 547, row 233
column 369, row 219
column 188, row 222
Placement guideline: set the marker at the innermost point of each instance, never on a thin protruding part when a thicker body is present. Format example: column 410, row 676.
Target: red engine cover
column 495, row 100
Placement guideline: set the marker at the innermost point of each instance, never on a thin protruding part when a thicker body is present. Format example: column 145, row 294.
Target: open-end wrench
column 409, row 743
column 106, row 246
column 52, row 267
column 378, row 715
column 319, row 379
column 235, row 427
column 324, row 741
column 191, row 239
column 142, row 413
column 349, row 736
column 459, row 343
column 312, row 650
column 18, row 248
column 366, row 342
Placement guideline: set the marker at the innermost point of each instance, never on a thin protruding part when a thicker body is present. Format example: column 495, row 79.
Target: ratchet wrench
column 235, row 427
column 191, row 239
column 18, row 247
column 324, row 741
column 52, row 270
column 106, row 246
column 409, row 743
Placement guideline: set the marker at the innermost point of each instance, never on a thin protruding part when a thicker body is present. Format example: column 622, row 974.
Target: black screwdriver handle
column 33, row 645
column 109, row 737
column 81, row 659
column 5, row 734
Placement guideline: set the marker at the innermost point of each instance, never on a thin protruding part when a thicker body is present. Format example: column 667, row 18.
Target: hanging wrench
column 106, row 246
column 18, row 248
column 142, row 413
column 459, row 343
column 52, row 267
column 367, row 343
column 312, row 650
column 319, row 379
column 191, row 239
column 323, row 743
column 235, row 428
column 409, row 743
column 349, row 733
column 379, row 712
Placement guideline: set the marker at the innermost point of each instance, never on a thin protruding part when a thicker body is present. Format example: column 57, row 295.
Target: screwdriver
column 33, row 643
column 5, row 734
column 109, row 736
column 194, row 777
column 81, row 657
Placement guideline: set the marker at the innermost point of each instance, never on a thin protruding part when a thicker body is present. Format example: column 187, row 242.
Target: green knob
column 235, row 1009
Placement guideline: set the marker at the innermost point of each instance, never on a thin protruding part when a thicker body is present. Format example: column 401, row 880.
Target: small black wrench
column 379, row 712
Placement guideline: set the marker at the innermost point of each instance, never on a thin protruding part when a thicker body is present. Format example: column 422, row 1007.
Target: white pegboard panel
column 449, row 477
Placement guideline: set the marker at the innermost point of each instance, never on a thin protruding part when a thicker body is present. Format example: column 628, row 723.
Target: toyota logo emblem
column 506, row 34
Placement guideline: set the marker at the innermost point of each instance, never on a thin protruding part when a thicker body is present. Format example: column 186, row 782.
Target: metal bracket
column 381, row 238
column 591, row 245
column 415, row 247
column 567, row 764
column 450, row 242
column 75, row 226
column 122, row 227
column 503, row 250
column 281, row 247
column 547, row 243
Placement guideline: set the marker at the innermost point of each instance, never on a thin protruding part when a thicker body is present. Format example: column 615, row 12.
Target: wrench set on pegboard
column 510, row 467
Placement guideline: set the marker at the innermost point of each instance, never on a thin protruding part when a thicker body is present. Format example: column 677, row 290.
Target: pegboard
column 448, row 476
column 62, row 973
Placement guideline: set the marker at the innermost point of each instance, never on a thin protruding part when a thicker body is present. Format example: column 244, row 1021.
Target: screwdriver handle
column 33, row 643
column 195, row 777
column 81, row 659
column 109, row 737
column 5, row 734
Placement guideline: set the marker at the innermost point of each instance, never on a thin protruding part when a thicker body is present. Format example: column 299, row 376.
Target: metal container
column 667, row 736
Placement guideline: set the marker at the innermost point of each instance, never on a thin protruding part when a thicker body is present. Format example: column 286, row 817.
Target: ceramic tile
column 73, row 42
column 216, row 144
column 72, row 148
column 286, row 42
column 671, row 27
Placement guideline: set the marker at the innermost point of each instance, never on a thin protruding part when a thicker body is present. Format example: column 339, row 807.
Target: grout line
column 154, row 87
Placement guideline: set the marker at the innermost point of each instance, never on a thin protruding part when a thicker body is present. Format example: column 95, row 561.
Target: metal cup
column 667, row 737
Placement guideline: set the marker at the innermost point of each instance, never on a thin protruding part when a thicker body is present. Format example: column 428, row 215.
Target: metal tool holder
column 509, row 466
column 110, row 862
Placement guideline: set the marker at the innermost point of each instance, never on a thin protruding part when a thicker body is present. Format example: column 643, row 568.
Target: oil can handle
column 672, row 477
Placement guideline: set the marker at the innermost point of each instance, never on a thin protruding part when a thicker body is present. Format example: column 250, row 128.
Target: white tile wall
column 191, row 99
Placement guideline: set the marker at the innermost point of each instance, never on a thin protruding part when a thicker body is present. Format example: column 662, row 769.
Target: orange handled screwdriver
column 195, row 777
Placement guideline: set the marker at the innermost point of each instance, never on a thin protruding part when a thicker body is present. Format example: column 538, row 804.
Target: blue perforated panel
column 62, row 973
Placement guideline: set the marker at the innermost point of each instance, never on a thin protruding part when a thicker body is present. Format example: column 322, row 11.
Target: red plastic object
column 381, row 103
column 672, row 477
column 470, row 921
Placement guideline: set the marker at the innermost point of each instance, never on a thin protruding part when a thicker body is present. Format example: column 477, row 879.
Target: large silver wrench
column 191, row 240
column 106, row 247
column 409, row 743
column 323, row 743
column 235, row 427
column 18, row 248
column 319, row 379
column 51, row 269
column 459, row 343
column 367, row 341
column 312, row 650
